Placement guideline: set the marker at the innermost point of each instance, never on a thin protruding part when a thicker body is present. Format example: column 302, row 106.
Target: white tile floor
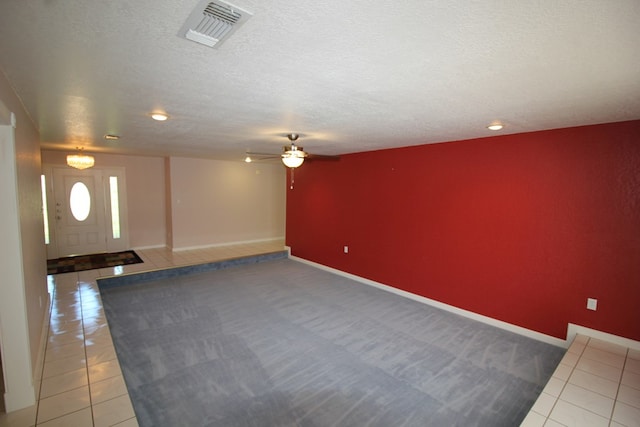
column 596, row 384
column 81, row 383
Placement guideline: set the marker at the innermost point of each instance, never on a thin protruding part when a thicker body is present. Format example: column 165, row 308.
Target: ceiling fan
column 292, row 155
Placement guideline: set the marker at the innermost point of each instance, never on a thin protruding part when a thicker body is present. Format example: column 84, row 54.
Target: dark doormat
column 92, row 261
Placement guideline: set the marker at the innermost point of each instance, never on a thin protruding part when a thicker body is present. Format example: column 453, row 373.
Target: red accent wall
column 521, row 228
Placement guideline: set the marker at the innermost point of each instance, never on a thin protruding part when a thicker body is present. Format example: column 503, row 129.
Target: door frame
column 112, row 245
column 14, row 329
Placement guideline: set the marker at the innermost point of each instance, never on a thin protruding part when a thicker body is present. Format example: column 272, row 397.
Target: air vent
column 212, row 22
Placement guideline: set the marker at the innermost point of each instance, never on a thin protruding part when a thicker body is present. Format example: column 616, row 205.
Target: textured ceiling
column 348, row 75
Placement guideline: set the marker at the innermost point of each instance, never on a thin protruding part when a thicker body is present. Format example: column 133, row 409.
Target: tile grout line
column 84, row 345
column 615, row 400
column 573, row 368
column 44, row 358
column 55, row 291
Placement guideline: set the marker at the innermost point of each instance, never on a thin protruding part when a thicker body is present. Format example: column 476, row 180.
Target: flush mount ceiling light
column 80, row 161
column 111, row 137
column 495, row 126
column 161, row 117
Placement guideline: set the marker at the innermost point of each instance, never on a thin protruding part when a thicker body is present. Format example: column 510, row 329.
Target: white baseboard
column 573, row 330
column 219, row 245
column 142, row 248
column 469, row 314
column 13, row 402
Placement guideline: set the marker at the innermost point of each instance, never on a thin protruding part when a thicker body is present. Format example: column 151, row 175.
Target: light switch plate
column 592, row 304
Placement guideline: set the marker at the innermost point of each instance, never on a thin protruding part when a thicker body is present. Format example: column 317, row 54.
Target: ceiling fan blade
column 322, row 157
column 252, row 153
column 259, row 159
column 289, row 151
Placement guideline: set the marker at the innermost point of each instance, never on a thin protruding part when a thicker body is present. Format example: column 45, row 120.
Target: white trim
column 144, row 248
column 450, row 308
column 573, row 330
column 218, row 245
column 14, row 328
column 7, row 118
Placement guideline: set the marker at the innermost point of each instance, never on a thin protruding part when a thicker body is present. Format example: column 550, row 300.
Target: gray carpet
column 281, row 343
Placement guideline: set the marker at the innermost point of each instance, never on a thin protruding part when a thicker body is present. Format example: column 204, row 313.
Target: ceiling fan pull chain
column 291, row 186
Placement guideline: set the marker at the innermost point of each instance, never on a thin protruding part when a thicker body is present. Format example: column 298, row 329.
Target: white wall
column 216, row 202
column 23, row 286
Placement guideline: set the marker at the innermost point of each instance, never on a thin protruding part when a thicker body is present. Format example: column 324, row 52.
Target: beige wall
column 145, row 181
column 216, row 202
column 30, row 303
column 186, row 203
column 31, row 227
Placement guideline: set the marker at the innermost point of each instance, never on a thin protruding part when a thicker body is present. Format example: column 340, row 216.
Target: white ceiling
column 348, row 75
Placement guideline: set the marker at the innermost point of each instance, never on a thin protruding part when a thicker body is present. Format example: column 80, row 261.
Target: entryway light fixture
column 495, row 126
column 80, row 161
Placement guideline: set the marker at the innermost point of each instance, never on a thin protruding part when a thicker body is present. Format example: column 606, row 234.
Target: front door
column 88, row 212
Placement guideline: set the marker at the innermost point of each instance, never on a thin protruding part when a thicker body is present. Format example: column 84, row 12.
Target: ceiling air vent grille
column 212, row 22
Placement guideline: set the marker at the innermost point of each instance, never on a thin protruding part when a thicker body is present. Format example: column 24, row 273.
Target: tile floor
column 596, row 384
column 81, row 383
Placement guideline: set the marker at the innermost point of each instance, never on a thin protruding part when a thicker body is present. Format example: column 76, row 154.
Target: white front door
column 88, row 211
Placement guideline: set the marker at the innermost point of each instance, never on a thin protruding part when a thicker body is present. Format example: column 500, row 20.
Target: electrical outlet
column 592, row 304
column 346, row 249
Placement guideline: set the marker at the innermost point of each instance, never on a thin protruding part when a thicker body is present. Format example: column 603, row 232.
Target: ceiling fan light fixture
column 292, row 159
column 293, row 156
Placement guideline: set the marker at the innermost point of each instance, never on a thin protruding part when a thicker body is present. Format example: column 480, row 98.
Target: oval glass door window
column 80, row 201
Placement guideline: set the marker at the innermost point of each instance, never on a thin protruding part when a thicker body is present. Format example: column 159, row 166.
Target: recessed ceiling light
column 111, row 137
column 495, row 126
column 161, row 117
